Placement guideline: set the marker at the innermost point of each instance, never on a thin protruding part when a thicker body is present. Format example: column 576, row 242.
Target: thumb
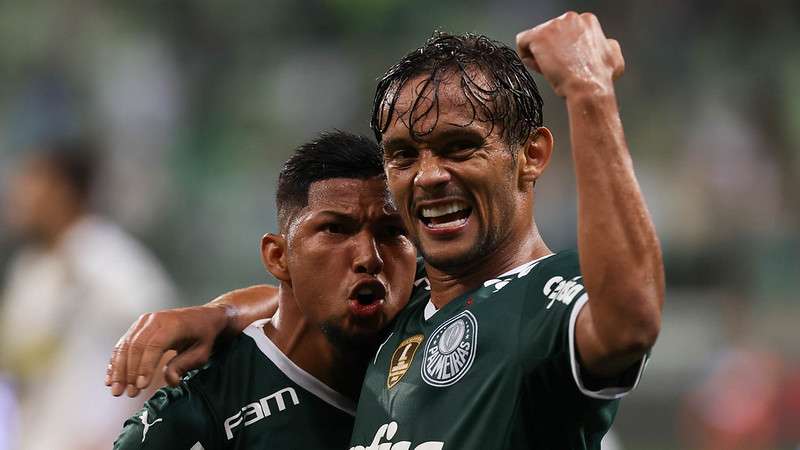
column 530, row 61
column 194, row 357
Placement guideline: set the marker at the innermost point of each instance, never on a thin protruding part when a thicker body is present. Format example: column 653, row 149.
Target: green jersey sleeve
column 174, row 418
column 556, row 297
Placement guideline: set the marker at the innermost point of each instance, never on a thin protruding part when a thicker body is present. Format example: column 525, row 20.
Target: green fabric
column 201, row 413
column 492, row 370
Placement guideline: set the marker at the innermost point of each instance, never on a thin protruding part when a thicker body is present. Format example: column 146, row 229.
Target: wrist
column 225, row 315
column 592, row 100
column 585, row 90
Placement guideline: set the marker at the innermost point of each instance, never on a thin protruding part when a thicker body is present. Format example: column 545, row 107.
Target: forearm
column 620, row 256
column 246, row 305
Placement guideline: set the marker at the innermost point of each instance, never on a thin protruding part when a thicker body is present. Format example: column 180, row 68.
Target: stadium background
column 198, row 102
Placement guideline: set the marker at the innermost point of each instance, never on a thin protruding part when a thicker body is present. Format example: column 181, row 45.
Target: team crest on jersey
column 402, row 358
column 450, row 350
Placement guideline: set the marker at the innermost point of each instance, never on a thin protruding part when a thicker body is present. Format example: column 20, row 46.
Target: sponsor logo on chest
column 253, row 412
column 450, row 350
column 387, row 432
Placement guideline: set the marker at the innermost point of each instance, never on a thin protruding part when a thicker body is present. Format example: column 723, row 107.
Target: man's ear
column 534, row 156
column 274, row 256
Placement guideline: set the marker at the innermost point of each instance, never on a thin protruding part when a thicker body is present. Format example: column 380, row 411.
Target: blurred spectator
column 8, row 414
column 73, row 288
column 737, row 404
column 790, row 394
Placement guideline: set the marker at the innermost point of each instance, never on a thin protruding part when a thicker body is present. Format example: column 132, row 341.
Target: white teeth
column 452, row 223
column 437, row 211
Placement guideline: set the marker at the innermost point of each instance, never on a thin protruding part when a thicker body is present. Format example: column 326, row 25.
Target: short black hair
column 75, row 161
column 508, row 97
column 335, row 154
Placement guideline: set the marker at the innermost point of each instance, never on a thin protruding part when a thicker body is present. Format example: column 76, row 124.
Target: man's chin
column 356, row 337
column 449, row 259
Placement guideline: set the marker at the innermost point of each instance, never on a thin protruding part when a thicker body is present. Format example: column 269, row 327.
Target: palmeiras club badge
column 450, row 350
column 402, row 358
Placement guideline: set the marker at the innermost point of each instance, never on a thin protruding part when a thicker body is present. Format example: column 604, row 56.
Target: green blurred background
column 197, row 103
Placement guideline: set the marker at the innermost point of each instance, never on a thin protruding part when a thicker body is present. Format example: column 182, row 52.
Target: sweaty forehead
column 426, row 104
column 350, row 195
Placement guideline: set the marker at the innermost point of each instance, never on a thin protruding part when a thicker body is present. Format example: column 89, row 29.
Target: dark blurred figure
column 76, row 281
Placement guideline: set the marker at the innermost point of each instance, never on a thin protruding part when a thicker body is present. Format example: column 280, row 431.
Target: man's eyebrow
column 451, row 133
column 457, row 132
column 330, row 213
column 397, row 142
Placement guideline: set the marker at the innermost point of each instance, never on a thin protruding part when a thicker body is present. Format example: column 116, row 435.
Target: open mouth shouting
column 367, row 298
column 444, row 217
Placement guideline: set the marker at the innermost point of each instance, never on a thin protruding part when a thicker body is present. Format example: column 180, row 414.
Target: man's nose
column 367, row 257
column 431, row 174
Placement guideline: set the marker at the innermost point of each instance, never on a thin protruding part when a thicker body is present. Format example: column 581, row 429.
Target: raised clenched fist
column 572, row 53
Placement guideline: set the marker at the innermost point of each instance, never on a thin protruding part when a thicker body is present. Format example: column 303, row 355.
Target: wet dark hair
column 335, row 154
column 73, row 160
column 505, row 94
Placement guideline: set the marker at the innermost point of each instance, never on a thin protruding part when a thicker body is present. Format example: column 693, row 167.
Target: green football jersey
column 493, row 369
column 249, row 396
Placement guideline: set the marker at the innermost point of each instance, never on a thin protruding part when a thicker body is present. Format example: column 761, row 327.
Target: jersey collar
column 430, row 308
column 295, row 373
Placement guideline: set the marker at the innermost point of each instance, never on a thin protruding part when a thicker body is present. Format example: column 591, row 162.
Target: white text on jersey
column 561, row 290
column 256, row 411
column 387, row 431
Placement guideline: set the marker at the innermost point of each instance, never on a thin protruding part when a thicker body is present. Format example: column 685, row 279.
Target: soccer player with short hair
column 504, row 343
column 345, row 269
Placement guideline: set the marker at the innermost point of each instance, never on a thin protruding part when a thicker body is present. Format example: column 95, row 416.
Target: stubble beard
column 487, row 243
column 483, row 246
column 347, row 343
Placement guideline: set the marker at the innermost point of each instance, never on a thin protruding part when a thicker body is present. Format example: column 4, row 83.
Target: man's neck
column 54, row 232
column 307, row 346
column 448, row 284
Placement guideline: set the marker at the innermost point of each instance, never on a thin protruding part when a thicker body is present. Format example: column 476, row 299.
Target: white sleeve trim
column 609, row 393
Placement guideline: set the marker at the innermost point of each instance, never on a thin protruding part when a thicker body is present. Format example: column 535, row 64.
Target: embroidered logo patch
column 450, row 350
column 402, row 358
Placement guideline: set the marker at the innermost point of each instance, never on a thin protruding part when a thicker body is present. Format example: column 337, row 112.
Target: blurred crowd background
column 192, row 106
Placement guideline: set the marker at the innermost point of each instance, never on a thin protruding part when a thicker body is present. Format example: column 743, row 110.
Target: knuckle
column 143, row 347
column 137, row 346
column 117, row 368
column 121, row 340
